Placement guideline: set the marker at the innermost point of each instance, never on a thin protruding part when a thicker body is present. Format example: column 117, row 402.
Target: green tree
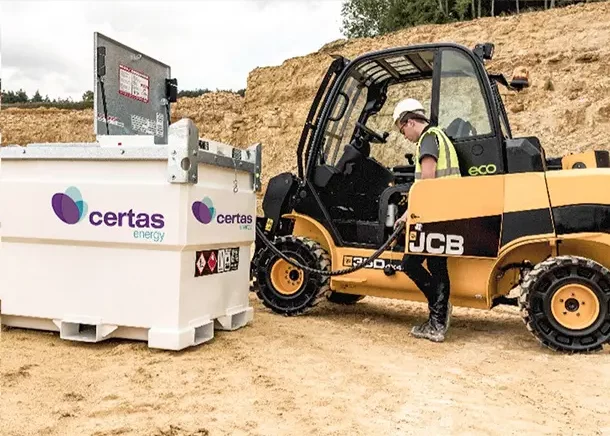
column 88, row 96
column 368, row 18
column 9, row 97
column 37, row 98
column 192, row 93
column 409, row 13
column 364, row 18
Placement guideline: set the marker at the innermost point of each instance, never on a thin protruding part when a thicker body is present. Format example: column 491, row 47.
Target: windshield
column 354, row 95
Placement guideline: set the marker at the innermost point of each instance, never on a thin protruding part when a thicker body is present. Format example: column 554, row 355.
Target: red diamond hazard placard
column 200, row 263
column 212, row 261
column 216, row 261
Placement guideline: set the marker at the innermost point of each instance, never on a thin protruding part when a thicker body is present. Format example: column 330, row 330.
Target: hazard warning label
column 133, row 84
column 111, row 120
column 216, row 261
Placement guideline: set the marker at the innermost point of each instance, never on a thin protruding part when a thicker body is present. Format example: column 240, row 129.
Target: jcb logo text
column 436, row 243
column 482, row 170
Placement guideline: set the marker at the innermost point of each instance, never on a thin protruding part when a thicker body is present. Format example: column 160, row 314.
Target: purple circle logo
column 204, row 210
column 69, row 206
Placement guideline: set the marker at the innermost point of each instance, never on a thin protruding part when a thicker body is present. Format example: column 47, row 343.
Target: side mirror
column 520, row 78
column 485, row 51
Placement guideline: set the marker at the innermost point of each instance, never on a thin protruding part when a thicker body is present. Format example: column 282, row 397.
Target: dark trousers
column 435, row 284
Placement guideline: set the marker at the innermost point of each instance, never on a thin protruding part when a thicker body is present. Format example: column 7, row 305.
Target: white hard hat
column 408, row 105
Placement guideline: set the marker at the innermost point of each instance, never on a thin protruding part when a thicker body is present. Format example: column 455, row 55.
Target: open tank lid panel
column 130, row 91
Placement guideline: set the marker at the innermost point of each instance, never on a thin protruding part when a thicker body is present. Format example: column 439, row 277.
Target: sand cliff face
column 567, row 105
column 216, row 116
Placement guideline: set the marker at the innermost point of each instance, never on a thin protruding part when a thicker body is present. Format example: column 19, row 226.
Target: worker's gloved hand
column 399, row 220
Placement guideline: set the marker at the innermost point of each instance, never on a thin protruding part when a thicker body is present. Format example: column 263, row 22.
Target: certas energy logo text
column 205, row 212
column 70, row 208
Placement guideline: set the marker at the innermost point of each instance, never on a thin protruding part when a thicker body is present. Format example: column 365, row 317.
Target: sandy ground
column 339, row 371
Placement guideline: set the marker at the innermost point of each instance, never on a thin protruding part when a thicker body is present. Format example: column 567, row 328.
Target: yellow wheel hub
column 575, row 306
column 286, row 279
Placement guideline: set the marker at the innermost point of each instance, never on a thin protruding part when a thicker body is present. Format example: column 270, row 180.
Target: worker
column 435, row 157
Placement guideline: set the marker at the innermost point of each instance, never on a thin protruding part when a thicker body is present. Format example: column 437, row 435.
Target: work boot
column 434, row 329
column 430, row 330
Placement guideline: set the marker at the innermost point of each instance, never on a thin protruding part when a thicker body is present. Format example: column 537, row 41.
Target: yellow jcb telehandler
column 514, row 219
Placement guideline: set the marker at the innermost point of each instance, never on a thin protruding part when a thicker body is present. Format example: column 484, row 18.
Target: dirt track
column 340, row 371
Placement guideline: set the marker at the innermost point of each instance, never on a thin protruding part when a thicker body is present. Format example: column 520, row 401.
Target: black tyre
column 253, row 270
column 286, row 289
column 342, row 298
column 565, row 304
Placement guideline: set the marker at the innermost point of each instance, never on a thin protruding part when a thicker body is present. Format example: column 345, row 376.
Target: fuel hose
column 338, row 272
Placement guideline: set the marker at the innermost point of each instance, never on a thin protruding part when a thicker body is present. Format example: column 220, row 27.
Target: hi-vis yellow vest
column 447, row 164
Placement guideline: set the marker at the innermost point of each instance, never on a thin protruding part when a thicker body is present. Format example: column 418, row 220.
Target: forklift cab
column 357, row 180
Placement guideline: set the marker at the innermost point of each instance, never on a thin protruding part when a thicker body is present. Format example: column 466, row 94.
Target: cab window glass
column 461, row 97
column 393, row 152
column 342, row 122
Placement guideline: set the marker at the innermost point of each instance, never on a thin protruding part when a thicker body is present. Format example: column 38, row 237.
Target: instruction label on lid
column 133, row 84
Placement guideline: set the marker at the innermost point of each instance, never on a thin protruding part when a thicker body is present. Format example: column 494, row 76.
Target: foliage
column 408, row 13
column 198, row 92
column 20, row 99
column 364, row 18
column 88, row 96
column 370, row 18
column 15, row 97
column 64, row 104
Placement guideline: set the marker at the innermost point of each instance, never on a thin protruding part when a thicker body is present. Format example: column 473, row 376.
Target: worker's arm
column 428, row 155
column 428, row 167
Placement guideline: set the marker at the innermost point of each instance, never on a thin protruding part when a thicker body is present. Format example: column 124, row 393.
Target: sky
column 48, row 45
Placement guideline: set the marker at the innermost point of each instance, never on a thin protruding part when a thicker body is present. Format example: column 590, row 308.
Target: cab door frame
column 460, row 217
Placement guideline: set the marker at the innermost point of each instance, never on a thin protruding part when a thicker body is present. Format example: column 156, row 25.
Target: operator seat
column 459, row 128
column 353, row 186
column 350, row 155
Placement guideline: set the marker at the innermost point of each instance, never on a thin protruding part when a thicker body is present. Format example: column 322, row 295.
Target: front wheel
column 286, row 289
column 565, row 304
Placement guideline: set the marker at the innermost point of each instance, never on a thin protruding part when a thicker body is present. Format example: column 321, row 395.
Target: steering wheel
column 375, row 137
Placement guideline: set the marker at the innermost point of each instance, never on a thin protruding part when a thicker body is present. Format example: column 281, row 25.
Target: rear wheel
column 286, row 289
column 565, row 304
column 342, row 298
